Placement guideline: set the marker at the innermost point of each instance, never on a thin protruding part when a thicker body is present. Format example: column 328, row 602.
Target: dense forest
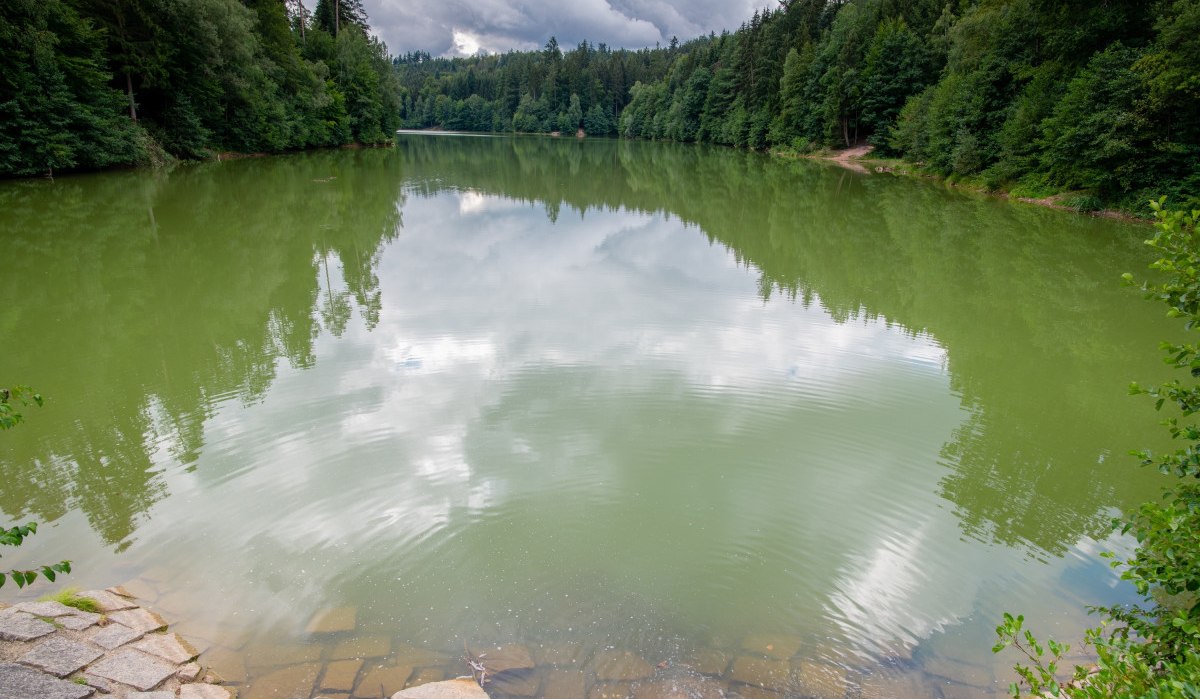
column 1033, row 96
column 1037, row 95
column 95, row 83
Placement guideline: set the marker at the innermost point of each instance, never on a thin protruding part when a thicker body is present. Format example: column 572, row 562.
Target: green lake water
column 612, row 397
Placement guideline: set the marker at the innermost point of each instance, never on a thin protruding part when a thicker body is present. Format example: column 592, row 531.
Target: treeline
column 1037, row 95
column 95, row 83
column 530, row 91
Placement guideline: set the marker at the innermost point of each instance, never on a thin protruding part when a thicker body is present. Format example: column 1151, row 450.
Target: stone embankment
column 51, row 651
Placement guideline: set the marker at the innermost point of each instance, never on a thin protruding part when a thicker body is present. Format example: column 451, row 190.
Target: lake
column 642, row 416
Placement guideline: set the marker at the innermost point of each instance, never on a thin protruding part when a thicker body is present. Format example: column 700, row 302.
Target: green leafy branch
column 16, row 537
column 1040, row 676
column 1151, row 650
column 10, row 398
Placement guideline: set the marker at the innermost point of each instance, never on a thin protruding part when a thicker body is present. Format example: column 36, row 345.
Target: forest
column 1029, row 96
column 1033, row 97
column 88, row 84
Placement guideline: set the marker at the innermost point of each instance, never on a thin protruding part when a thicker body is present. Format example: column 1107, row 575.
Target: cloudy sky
column 460, row 27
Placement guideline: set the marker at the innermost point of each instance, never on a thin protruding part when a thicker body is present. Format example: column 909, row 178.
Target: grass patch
column 69, row 596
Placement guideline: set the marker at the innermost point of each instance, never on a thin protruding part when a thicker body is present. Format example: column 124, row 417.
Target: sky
column 464, row 27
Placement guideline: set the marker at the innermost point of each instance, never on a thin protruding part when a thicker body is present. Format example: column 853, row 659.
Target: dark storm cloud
column 454, row 27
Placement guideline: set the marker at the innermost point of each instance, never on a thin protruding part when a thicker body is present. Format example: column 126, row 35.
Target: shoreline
column 857, row 159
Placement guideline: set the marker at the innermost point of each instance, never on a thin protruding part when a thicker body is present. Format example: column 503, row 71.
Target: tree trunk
column 129, row 91
column 337, row 20
column 846, row 131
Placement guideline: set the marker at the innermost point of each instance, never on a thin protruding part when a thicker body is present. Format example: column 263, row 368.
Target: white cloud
column 457, row 27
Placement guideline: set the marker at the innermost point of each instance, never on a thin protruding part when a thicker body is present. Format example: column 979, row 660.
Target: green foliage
column 69, row 597
column 1152, row 649
column 15, row 537
column 9, row 418
column 57, row 110
column 95, row 83
column 11, row 399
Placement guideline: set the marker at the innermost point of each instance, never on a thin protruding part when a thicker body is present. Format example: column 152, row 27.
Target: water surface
column 619, row 396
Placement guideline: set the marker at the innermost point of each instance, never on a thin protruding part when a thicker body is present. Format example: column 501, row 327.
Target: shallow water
column 608, row 397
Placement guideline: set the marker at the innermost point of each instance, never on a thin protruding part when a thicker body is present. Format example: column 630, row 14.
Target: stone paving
column 51, row 651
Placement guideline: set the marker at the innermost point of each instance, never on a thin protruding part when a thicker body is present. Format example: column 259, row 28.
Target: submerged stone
column 904, row 685
column 295, row 682
column 679, row 688
column 426, row 676
column 382, row 681
column 204, row 691
column 340, row 675
column 958, row 671
column 229, row 665
column 567, row 684
column 772, row 645
column 616, row 665
column 761, row 672
column 504, row 658
column 274, row 655
column 821, row 680
column 558, row 653
column 364, row 647
column 334, row 620
column 449, row 689
column 516, row 683
column 611, row 690
column 708, row 661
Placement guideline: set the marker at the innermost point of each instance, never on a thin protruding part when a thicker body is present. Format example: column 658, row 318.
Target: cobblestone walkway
column 51, row 651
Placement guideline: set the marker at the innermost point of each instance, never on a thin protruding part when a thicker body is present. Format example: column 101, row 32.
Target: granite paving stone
column 101, row 684
column 275, row 655
column 60, row 656
column 363, row 647
column 45, row 609
column 294, row 682
column 141, row 590
column 450, row 689
column 107, row 601
column 139, row 620
column 189, row 673
column 150, row 695
column 228, row 664
column 333, row 620
column 77, row 620
column 339, row 675
column 115, row 635
column 204, row 691
column 20, row 682
column 133, row 668
column 21, row 626
column 168, row 646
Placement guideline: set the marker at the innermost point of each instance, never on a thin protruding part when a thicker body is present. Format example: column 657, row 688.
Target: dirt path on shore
column 849, row 157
